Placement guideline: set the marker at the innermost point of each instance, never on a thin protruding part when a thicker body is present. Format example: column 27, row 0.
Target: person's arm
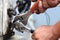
column 52, row 3
column 47, row 32
column 56, row 28
column 59, row 1
column 43, row 5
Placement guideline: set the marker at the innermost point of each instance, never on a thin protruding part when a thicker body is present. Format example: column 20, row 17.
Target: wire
column 47, row 18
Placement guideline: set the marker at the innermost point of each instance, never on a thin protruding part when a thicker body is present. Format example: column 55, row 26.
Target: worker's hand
column 43, row 5
column 45, row 33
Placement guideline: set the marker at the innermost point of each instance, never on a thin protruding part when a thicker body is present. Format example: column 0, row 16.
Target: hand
column 45, row 33
column 42, row 6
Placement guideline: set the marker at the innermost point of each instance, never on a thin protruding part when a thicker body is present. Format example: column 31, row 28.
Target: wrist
column 59, row 1
column 56, row 28
column 55, row 32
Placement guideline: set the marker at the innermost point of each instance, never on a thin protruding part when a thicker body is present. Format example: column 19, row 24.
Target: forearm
column 47, row 32
column 56, row 29
column 44, row 5
column 59, row 1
